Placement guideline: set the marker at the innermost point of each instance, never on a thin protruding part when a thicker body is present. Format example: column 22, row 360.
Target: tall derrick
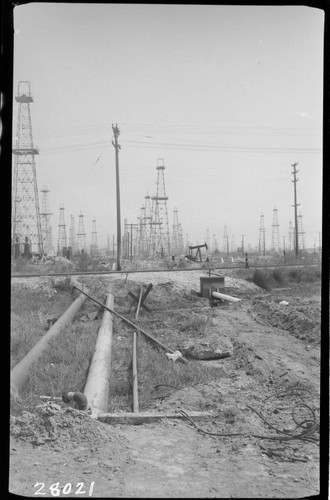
column 275, row 246
column 81, row 234
column 94, row 246
column 262, row 239
column 26, row 223
column 62, row 241
column 160, row 217
column 46, row 228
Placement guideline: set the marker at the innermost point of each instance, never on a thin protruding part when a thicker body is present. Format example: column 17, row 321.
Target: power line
column 186, row 146
column 182, row 129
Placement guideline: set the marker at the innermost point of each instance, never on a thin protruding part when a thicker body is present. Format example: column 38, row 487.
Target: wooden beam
column 147, row 417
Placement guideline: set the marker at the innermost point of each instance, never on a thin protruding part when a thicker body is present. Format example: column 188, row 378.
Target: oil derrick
column 81, row 235
column 94, row 246
column 72, row 236
column 160, row 217
column 148, row 228
column 215, row 243
column 275, row 247
column 181, row 244
column 301, row 233
column 46, row 228
column 225, row 241
column 62, row 241
column 262, row 239
column 233, row 244
column 26, row 223
column 175, row 234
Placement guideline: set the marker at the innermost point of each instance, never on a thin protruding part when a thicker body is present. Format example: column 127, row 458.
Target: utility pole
column 295, row 205
column 117, row 147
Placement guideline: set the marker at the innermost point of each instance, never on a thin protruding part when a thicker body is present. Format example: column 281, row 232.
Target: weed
column 83, row 262
column 279, row 276
column 20, row 265
column 262, row 279
column 65, row 363
column 26, row 328
column 62, row 285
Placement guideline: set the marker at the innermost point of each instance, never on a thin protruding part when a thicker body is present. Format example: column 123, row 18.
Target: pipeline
column 98, row 380
column 96, row 273
column 19, row 373
column 228, row 298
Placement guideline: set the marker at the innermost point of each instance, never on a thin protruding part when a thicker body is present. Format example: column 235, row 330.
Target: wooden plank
column 136, row 299
column 147, row 417
column 135, row 379
column 138, row 306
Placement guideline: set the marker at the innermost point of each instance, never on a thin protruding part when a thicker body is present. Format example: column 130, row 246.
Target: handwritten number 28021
column 67, row 489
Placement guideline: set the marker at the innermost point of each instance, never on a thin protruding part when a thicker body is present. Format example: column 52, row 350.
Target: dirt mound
column 300, row 319
column 51, row 423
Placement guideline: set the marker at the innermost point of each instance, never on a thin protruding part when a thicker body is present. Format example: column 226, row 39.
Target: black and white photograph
column 166, row 250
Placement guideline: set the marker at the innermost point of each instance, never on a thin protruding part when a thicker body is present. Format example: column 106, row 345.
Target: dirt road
column 171, row 458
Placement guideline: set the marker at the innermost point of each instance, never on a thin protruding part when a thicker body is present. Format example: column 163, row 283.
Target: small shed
column 216, row 283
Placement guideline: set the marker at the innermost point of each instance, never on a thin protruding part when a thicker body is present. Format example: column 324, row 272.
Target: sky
column 229, row 97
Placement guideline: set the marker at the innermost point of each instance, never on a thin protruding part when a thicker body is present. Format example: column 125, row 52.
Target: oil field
column 166, row 270
column 158, row 368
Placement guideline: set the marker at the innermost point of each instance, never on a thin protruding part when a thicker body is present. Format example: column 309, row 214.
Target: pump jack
column 198, row 255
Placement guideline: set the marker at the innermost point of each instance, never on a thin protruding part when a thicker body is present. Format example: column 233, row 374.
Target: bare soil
column 273, row 365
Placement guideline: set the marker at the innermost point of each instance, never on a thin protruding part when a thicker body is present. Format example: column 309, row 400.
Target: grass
column 153, row 366
column 65, row 362
column 268, row 279
column 28, row 306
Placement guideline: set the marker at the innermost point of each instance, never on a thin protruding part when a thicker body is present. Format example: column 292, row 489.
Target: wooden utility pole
column 295, row 205
column 115, row 144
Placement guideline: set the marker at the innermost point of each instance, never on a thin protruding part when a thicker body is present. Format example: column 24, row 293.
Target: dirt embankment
column 267, row 388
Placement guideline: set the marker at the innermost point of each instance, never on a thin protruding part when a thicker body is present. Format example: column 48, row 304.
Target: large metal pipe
column 98, row 379
column 228, row 298
column 19, row 373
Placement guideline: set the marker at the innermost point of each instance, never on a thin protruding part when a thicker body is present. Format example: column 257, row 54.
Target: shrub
column 295, row 275
column 279, row 276
column 262, row 279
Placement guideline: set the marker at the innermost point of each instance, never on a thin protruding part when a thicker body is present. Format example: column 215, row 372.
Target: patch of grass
column 20, row 265
column 27, row 307
column 153, row 368
column 279, row 276
column 306, row 274
column 65, row 363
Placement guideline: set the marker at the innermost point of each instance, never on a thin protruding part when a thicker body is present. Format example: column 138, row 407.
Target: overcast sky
column 229, row 96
